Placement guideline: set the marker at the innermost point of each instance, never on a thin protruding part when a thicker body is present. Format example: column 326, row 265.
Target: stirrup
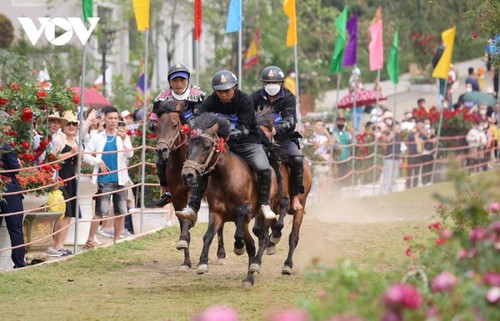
column 267, row 212
column 165, row 199
column 187, row 214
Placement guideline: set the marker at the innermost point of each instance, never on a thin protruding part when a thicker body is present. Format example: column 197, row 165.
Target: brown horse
column 231, row 192
column 172, row 146
column 265, row 119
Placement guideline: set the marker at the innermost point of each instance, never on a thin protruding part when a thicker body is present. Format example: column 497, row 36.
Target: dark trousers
column 14, row 203
column 413, row 169
column 427, row 161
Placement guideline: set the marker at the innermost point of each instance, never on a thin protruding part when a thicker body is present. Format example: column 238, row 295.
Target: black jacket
column 241, row 106
column 10, row 161
column 284, row 106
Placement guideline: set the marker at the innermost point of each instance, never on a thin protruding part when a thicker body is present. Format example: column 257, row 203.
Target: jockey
column 230, row 103
column 282, row 102
column 178, row 79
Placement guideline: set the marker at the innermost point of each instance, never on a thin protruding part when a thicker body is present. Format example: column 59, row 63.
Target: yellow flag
column 289, row 8
column 443, row 66
column 141, row 10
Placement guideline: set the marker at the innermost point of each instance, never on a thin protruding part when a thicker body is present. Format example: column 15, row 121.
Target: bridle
column 218, row 146
column 170, row 142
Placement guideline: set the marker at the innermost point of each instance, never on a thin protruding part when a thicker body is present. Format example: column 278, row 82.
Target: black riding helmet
column 224, row 80
column 178, row 70
column 272, row 74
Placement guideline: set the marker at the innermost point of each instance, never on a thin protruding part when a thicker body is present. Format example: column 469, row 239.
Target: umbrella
column 480, row 98
column 363, row 98
column 92, row 97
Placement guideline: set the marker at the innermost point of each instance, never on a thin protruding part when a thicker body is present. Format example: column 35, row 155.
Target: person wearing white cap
column 179, row 90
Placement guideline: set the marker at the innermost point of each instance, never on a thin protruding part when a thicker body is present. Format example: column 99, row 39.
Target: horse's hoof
column 271, row 250
column 184, row 268
column 221, row 261
column 239, row 251
column 254, row 267
column 182, row 244
column 286, row 270
column 275, row 239
column 202, row 268
column 246, row 284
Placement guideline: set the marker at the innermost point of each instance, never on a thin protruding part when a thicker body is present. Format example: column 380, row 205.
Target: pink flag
column 376, row 46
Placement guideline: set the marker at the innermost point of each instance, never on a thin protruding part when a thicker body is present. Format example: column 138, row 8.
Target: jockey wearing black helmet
column 230, row 103
column 179, row 90
column 282, row 102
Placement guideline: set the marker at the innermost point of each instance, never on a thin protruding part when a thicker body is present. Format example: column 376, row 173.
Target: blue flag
column 234, row 16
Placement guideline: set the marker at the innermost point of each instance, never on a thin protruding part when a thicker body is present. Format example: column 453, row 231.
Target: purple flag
column 351, row 50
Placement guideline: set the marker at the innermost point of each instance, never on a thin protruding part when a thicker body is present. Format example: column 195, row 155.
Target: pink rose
column 402, row 296
column 218, row 313
column 391, row 315
column 477, row 234
column 494, row 207
column 444, row 282
column 492, row 278
column 493, row 295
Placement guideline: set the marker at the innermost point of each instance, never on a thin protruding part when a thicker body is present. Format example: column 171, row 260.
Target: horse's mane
column 168, row 106
column 265, row 117
column 207, row 120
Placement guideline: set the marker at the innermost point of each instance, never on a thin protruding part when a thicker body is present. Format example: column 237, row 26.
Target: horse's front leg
column 293, row 240
column 250, row 245
column 214, row 225
column 277, row 227
column 221, row 252
column 242, row 217
column 263, row 237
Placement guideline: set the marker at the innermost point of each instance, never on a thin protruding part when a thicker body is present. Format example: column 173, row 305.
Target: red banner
column 198, row 13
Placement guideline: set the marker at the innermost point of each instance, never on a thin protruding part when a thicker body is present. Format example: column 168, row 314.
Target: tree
column 6, row 32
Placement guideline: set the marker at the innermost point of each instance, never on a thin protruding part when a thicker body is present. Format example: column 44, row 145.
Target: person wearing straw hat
column 392, row 155
column 66, row 148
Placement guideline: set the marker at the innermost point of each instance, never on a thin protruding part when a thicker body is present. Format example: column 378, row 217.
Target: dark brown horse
column 172, row 146
column 231, row 192
column 265, row 119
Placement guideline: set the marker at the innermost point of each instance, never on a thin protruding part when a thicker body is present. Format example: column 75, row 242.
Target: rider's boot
column 296, row 164
column 166, row 197
column 263, row 188
column 190, row 212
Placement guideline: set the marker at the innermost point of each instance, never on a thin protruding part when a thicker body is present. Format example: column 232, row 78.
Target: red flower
column 76, row 99
column 26, row 145
column 3, row 101
column 408, row 252
column 407, row 237
column 440, row 241
column 435, row 225
column 152, row 135
column 44, row 143
column 41, row 95
column 27, row 115
column 15, row 86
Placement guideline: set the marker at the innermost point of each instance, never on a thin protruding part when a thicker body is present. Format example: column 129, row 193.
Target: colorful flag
column 234, row 16
column 141, row 10
column 290, row 11
column 88, row 10
column 338, row 51
column 351, row 50
column 143, row 92
column 252, row 53
column 392, row 65
column 443, row 66
column 376, row 46
column 198, row 14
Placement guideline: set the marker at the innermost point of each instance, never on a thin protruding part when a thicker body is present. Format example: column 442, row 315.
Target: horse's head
column 265, row 117
column 171, row 134
column 205, row 146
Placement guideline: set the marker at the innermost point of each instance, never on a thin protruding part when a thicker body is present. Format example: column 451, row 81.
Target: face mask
column 468, row 89
column 482, row 112
column 340, row 126
column 272, row 89
column 427, row 127
column 388, row 122
column 182, row 96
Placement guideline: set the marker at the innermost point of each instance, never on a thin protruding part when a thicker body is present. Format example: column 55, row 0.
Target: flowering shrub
column 41, row 181
column 24, row 109
column 424, row 47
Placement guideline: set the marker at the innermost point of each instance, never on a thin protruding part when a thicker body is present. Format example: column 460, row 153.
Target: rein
column 170, row 143
column 216, row 151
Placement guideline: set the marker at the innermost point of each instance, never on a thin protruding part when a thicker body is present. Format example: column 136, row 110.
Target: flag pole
column 80, row 144
column 439, row 131
column 240, row 37
column 335, row 111
column 144, row 118
column 375, row 151
column 197, row 61
column 297, row 96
